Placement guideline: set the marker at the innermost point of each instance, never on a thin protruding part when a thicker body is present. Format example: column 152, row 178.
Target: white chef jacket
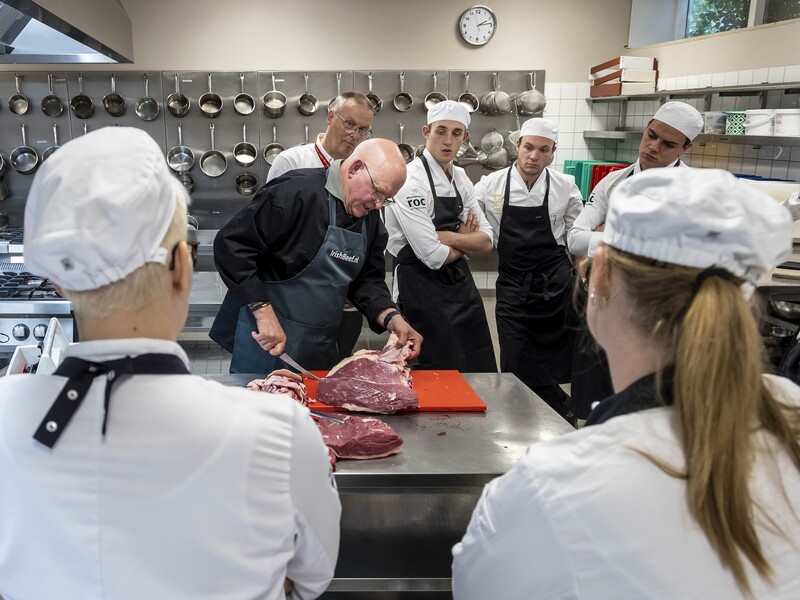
column 564, row 203
column 410, row 219
column 586, row 517
column 197, row 490
column 299, row 157
column 581, row 239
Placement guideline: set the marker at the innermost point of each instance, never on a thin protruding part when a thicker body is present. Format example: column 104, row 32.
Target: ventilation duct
column 53, row 31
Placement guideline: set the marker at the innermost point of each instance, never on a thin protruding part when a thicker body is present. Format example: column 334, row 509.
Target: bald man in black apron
column 307, row 242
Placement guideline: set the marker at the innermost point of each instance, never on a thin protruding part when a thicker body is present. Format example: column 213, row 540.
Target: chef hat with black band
column 699, row 218
column 682, row 117
column 99, row 208
column 449, row 110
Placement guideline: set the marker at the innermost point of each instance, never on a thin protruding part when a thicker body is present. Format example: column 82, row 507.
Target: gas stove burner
column 25, row 286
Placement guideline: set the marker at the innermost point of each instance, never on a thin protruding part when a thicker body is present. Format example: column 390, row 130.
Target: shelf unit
column 761, row 90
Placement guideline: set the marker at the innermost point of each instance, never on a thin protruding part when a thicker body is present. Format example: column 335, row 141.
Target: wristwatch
column 256, row 305
column 390, row 316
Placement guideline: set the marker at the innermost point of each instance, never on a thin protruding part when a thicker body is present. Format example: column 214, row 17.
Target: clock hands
column 485, row 23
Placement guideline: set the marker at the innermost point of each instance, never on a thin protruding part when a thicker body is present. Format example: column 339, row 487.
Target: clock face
column 477, row 25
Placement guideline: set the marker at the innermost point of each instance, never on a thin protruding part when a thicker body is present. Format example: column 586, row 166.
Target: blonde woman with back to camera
column 686, row 481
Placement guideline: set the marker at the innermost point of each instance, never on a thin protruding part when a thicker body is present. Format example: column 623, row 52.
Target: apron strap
column 80, row 376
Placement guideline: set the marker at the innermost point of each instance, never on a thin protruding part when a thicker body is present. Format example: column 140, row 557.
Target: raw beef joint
column 371, row 381
column 282, row 381
column 360, row 437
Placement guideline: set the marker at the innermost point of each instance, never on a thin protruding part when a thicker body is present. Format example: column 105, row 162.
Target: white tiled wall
column 567, row 106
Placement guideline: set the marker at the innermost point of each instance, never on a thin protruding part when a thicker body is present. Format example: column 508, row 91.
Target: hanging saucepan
column 402, row 99
column 497, row 159
column 491, row 141
column 466, row 155
column 305, row 135
column 51, row 104
column 177, row 103
column 244, row 153
column 433, row 98
column 272, row 150
column 243, row 103
column 213, row 162
column 307, row 104
column 405, row 149
column 146, row 107
column 187, row 180
column 48, row 151
column 468, row 99
column 246, row 183
column 420, row 149
column 532, row 101
column 496, row 102
column 81, row 105
column 274, row 101
column 338, row 91
column 210, row 103
column 24, row 158
column 374, row 99
column 510, row 143
column 113, row 102
column 18, row 104
column 180, row 158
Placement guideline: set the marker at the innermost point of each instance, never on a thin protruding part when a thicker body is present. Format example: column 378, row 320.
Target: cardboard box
column 621, row 89
column 627, row 75
column 624, row 62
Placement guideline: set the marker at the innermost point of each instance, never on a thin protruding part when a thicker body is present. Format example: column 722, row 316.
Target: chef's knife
column 290, row 361
column 324, row 416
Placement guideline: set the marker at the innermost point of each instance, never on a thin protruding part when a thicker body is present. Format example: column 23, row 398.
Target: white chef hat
column 449, row 110
column 699, row 218
column 682, row 117
column 540, row 127
column 99, row 208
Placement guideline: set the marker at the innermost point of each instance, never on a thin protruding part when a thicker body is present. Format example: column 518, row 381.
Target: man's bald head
column 376, row 170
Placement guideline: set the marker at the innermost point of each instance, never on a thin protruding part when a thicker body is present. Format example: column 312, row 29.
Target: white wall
column 772, row 45
column 565, row 38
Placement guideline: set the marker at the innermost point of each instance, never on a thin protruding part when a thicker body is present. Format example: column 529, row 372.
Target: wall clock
column 477, row 25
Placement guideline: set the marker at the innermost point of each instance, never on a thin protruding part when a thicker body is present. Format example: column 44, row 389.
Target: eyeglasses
column 192, row 251
column 350, row 126
column 378, row 195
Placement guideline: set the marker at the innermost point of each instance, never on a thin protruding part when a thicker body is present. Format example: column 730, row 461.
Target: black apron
column 81, row 374
column 308, row 305
column 535, row 320
column 444, row 304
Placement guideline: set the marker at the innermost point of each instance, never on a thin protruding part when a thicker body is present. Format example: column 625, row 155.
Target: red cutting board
column 437, row 391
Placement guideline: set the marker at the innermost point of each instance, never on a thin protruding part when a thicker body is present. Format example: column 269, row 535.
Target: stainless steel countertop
column 454, row 448
column 207, row 293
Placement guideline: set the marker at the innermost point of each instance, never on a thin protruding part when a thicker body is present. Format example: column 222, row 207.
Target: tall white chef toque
column 540, row 127
column 449, row 110
column 99, row 208
column 699, row 218
column 682, row 117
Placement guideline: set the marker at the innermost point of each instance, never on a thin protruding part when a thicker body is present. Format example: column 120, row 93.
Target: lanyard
column 325, row 162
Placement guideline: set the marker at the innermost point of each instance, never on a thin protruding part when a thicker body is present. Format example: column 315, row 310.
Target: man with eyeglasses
column 308, row 241
column 349, row 122
column 121, row 470
column 434, row 224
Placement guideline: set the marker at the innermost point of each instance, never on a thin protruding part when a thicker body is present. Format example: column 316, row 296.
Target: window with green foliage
column 781, row 10
column 713, row 16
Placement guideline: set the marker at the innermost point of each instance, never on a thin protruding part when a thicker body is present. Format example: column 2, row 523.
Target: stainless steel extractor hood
column 54, row 31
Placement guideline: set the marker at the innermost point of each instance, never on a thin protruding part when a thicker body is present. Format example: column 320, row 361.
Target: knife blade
column 290, row 361
column 324, row 416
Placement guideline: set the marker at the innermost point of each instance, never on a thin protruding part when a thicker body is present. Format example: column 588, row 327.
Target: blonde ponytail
column 710, row 336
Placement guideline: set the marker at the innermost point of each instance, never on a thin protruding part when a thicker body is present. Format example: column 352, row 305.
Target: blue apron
column 308, row 305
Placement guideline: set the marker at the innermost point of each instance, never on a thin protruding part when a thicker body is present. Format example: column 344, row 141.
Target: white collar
column 318, row 142
column 105, row 350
